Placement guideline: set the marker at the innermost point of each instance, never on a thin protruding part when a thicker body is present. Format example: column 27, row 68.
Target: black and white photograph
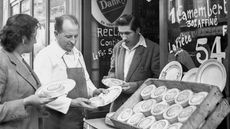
column 114, row 64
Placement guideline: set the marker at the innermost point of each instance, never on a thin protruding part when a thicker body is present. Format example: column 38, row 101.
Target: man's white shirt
column 49, row 66
column 129, row 53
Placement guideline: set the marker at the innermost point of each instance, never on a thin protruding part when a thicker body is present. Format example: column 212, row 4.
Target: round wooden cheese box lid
column 158, row 93
column 197, row 98
column 146, row 122
column 125, row 114
column 146, row 92
column 161, row 124
column 170, row 95
column 135, row 118
column 183, row 97
column 186, row 113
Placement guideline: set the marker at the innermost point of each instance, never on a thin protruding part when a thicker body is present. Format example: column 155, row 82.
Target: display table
column 98, row 123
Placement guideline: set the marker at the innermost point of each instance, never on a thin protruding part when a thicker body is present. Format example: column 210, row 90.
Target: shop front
column 195, row 27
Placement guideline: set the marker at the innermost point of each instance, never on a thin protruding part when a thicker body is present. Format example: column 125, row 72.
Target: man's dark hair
column 128, row 19
column 16, row 27
column 59, row 21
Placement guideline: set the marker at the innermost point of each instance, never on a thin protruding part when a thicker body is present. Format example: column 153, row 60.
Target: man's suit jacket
column 16, row 83
column 145, row 64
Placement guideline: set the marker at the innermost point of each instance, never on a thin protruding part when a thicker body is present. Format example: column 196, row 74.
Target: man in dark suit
column 134, row 58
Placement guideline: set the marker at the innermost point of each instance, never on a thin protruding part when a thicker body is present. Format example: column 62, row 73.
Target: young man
column 134, row 58
column 61, row 60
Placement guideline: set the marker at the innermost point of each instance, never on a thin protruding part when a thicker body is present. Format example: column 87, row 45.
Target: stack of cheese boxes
column 162, row 108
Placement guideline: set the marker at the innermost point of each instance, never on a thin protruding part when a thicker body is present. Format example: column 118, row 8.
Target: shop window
column 40, row 14
column 21, row 7
column 148, row 13
column 57, row 8
column 25, row 7
column 15, row 9
column 39, row 10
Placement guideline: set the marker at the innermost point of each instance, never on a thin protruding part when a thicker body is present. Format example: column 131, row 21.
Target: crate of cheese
column 164, row 104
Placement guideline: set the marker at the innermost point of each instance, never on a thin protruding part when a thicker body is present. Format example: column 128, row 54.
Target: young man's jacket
column 145, row 64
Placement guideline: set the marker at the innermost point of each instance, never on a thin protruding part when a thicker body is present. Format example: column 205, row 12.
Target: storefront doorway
column 98, row 50
column 105, row 36
column 148, row 12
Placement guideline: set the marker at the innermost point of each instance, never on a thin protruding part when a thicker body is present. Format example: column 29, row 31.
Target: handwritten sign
column 107, row 38
column 199, row 27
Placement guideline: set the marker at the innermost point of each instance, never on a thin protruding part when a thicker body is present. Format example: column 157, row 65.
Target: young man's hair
column 128, row 19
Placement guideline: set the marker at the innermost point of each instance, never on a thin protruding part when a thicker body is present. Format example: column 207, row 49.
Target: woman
column 19, row 107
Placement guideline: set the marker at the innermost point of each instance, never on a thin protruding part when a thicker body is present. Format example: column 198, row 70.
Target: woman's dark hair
column 16, row 27
column 59, row 21
column 128, row 19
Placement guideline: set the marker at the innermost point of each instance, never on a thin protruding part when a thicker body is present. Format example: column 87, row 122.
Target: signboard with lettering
column 199, row 27
column 105, row 34
column 107, row 38
column 107, row 11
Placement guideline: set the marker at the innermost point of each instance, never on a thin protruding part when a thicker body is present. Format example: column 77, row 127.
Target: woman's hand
column 37, row 100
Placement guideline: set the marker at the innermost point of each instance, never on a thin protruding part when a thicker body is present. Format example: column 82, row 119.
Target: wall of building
column 1, row 13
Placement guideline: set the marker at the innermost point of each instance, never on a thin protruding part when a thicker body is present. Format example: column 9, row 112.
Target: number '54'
column 202, row 50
